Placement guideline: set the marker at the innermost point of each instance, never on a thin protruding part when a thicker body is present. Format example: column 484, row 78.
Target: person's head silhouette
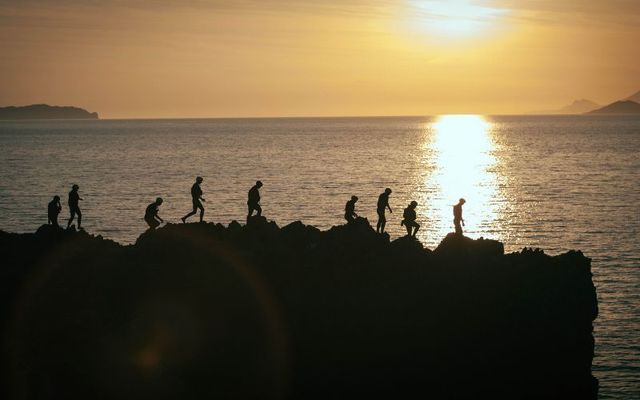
column 75, row 187
column 354, row 198
column 159, row 200
column 56, row 198
column 199, row 179
column 259, row 184
column 387, row 191
column 461, row 201
column 414, row 204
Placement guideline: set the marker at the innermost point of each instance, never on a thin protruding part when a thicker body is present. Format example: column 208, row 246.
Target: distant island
column 627, row 105
column 579, row 107
column 619, row 107
column 45, row 111
column 635, row 97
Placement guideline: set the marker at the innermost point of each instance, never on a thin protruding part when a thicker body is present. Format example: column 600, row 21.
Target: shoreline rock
column 259, row 311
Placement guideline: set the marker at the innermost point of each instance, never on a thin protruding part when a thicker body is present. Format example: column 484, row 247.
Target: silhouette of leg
column 417, row 227
column 201, row 207
column 458, row 227
column 193, row 212
column 152, row 222
column 73, row 214
column 408, row 226
column 382, row 221
column 79, row 218
column 258, row 209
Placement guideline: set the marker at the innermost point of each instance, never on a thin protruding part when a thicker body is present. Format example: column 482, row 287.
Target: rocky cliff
column 258, row 311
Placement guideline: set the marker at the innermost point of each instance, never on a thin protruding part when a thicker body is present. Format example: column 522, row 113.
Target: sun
column 456, row 18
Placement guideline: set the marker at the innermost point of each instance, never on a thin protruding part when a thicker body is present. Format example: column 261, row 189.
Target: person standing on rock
column 383, row 204
column 53, row 211
column 74, row 208
column 196, row 199
column 457, row 216
column 350, row 210
column 409, row 220
column 253, row 202
column 151, row 216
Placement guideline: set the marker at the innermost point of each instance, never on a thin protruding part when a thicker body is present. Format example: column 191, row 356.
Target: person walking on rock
column 383, row 204
column 74, row 208
column 409, row 220
column 196, row 199
column 151, row 216
column 350, row 210
column 53, row 210
column 253, row 202
column 457, row 216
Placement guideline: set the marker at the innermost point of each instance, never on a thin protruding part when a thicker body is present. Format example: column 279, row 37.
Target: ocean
column 554, row 182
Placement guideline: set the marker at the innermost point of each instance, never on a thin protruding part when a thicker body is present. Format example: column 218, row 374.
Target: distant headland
column 627, row 105
column 45, row 111
column 619, row 107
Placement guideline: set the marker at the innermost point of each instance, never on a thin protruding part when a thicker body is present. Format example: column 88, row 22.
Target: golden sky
column 180, row 58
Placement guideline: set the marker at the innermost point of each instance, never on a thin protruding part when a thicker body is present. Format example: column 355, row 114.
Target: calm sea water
column 557, row 183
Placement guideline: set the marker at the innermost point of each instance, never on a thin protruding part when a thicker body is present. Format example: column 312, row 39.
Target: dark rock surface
column 258, row 311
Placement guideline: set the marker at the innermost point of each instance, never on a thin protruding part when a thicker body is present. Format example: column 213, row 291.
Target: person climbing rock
column 196, row 199
column 457, row 216
column 383, row 204
column 74, row 208
column 409, row 220
column 253, row 202
column 151, row 214
column 53, row 211
column 350, row 210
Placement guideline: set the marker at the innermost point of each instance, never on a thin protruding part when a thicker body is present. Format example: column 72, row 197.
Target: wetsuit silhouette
column 383, row 204
column 74, row 208
column 457, row 216
column 151, row 214
column 196, row 199
column 410, row 219
column 53, row 211
column 350, row 210
column 253, row 202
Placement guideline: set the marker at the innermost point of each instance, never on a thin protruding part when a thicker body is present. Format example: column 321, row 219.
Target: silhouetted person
column 350, row 210
column 74, row 209
column 53, row 211
column 253, row 203
column 383, row 204
column 409, row 220
column 457, row 216
column 151, row 214
column 196, row 198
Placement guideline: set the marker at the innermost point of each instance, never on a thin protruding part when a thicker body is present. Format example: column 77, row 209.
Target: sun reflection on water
column 462, row 149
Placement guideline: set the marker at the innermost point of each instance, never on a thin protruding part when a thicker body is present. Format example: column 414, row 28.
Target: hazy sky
column 180, row 58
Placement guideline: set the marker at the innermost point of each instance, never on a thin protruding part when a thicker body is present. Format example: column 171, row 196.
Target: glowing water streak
column 462, row 146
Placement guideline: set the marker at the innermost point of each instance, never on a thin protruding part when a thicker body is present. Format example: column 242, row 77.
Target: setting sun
column 457, row 18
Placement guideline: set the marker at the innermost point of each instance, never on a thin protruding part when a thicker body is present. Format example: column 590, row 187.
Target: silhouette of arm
column 389, row 207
